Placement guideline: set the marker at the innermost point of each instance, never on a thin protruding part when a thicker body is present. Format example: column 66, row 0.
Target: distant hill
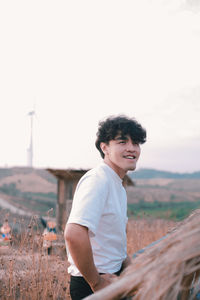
column 163, row 194
column 152, row 173
column 35, row 190
column 6, row 172
column 28, row 180
column 28, row 189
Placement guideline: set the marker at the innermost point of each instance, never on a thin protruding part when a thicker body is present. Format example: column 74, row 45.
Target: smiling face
column 121, row 154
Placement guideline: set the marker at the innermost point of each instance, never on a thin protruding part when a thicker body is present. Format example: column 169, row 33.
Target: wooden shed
column 67, row 181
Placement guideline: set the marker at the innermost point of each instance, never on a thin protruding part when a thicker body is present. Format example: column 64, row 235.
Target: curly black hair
column 114, row 125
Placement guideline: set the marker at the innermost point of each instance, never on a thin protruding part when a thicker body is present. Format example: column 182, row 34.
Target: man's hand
column 78, row 243
column 103, row 281
column 127, row 262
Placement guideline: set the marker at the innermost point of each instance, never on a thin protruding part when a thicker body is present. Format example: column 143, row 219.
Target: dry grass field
column 27, row 272
column 164, row 190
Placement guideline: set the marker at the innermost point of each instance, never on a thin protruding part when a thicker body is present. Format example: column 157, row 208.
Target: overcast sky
column 76, row 62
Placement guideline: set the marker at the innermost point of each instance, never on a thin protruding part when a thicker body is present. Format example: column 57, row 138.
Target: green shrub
column 168, row 210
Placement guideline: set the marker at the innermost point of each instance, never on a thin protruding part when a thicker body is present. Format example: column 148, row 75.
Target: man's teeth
column 129, row 156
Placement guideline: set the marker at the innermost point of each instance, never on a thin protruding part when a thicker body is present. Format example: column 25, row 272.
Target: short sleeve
column 89, row 201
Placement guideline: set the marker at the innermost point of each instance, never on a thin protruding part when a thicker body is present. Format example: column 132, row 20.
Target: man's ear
column 103, row 147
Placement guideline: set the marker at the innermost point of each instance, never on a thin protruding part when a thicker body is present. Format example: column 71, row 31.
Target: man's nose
column 131, row 146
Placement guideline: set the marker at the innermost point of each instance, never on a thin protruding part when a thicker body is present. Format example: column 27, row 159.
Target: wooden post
column 66, row 189
column 61, row 204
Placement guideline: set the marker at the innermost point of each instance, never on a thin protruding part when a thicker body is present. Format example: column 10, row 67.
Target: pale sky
column 76, row 62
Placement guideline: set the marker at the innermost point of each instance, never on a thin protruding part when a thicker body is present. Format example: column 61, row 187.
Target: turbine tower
column 30, row 149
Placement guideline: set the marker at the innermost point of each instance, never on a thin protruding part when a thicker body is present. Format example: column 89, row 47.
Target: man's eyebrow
column 120, row 137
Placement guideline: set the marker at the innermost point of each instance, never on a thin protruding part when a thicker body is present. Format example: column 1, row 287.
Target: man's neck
column 120, row 172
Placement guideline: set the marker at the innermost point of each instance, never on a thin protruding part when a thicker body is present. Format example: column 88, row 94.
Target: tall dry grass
column 142, row 232
column 27, row 272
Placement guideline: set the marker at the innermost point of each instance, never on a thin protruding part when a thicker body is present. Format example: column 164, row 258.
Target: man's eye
column 122, row 142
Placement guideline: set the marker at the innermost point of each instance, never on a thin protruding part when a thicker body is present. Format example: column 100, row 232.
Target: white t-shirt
column 100, row 203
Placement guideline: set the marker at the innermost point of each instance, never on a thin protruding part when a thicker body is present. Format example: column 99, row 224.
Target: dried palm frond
column 169, row 270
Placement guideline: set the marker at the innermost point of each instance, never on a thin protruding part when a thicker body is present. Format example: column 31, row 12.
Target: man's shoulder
column 97, row 173
column 94, row 181
column 100, row 169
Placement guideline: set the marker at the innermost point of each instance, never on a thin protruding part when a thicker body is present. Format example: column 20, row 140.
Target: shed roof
column 74, row 174
column 68, row 174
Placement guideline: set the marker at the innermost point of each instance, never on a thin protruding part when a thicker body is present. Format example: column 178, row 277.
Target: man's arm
column 79, row 246
column 128, row 261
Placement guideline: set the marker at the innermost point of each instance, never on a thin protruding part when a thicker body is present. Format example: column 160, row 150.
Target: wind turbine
column 30, row 149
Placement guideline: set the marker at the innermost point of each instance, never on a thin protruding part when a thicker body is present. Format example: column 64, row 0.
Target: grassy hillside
column 7, row 172
column 164, row 190
column 164, row 197
column 33, row 190
column 152, row 173
column 176, row 211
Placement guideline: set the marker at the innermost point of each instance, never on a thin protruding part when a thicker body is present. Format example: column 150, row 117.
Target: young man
column 95, row 233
